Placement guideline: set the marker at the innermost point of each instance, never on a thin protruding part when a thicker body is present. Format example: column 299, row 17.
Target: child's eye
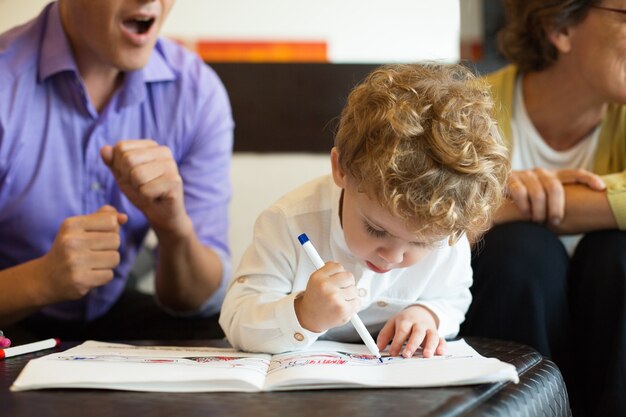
column 374, row 232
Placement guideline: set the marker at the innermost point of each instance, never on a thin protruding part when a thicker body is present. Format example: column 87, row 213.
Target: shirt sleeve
column 258, row 314
column 205, row 169
column 616, row 193
column 448, row 296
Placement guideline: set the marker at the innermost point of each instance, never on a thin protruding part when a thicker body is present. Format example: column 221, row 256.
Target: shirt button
column 95, row 186
column 298, row 336
column 362, row 292
column 381, row 304
column 241, row 280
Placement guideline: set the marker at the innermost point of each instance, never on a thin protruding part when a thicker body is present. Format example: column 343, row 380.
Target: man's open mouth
column 139, row 25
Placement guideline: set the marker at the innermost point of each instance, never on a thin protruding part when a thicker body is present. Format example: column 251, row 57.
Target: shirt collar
column 156, row 70
column 56, row 54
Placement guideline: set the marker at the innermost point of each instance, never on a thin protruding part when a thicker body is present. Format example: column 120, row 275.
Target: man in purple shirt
column 107, row 131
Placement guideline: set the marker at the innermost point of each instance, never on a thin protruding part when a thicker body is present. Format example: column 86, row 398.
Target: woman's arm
column 586, row 210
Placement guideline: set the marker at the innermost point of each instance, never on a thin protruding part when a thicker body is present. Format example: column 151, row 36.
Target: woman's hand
column 539, row 195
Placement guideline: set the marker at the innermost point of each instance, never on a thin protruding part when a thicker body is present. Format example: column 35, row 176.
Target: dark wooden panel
column 288, row 107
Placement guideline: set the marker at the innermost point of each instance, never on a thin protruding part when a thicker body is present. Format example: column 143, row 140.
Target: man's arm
column 82, row 257
column 188, row 272
column 586, row 210
column 185, row 197
column 21, row 291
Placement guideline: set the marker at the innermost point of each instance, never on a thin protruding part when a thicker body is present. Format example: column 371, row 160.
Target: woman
column 551, row 272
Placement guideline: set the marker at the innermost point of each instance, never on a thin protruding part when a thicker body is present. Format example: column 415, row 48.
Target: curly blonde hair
column 421, row 141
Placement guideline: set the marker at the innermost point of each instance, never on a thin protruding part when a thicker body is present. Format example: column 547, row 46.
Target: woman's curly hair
column 524, row 38
column 420, row 140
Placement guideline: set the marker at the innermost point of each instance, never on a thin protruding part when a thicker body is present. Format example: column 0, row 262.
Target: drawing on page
column 300, row 359
column 258, row 364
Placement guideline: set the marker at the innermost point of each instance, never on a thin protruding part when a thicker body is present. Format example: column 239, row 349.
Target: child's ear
column 338, row 175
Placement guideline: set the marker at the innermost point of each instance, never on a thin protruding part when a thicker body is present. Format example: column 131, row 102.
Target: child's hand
column 330, row 299
column 416, row 326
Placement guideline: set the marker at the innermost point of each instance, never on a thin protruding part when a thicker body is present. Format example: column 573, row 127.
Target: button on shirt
column 51, row 136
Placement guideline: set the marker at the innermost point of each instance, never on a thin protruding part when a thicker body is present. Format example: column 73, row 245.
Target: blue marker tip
column 381, row 360
column 303, row 238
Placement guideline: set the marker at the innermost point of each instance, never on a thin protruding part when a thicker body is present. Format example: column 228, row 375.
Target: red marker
column 29, row 348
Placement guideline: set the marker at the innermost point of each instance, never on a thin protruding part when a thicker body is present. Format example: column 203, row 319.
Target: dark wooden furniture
column 288, row 107
column 541, row 392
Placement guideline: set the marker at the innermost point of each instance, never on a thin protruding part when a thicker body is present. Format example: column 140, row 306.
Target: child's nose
column 392, row 255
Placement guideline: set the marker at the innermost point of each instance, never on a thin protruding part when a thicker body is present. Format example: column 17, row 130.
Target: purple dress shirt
column 50, row 141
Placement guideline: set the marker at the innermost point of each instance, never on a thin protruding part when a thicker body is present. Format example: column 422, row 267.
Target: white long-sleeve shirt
column 258, row 313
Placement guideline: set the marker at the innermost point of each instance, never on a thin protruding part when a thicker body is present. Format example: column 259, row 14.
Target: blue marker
column 309, row 249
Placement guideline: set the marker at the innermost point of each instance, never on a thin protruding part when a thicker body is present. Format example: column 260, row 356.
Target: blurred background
column 346, row 31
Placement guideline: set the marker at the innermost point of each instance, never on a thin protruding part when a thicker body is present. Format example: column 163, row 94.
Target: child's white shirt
column 258, row 312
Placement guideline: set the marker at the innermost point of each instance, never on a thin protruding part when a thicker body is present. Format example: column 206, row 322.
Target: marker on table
column 355, row 320
column 29, row 348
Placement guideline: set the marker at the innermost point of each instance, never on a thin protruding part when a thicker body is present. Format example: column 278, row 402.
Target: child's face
column 373, row 235
column 377, row 238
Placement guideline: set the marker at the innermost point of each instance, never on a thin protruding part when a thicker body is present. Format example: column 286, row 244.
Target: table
column 540, row 392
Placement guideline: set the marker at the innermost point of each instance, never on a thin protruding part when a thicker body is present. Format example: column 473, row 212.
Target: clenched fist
column 83, row 254
column 147, row 174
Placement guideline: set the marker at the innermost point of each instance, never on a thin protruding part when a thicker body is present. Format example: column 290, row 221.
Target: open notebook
column 184, row 369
